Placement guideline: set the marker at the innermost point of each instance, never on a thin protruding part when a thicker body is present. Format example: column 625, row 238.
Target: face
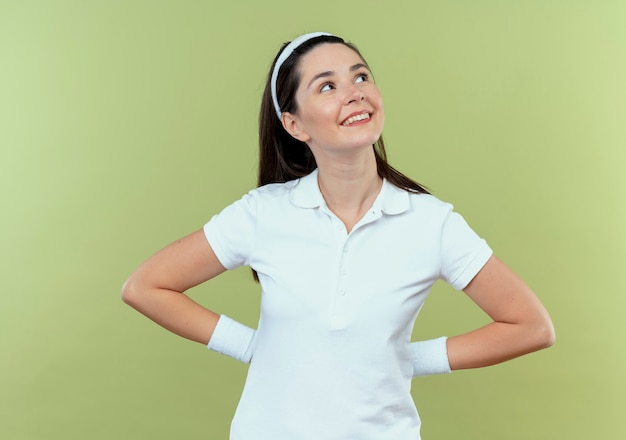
column 340, row 108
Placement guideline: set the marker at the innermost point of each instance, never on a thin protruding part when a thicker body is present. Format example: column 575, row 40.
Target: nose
column 354, row 94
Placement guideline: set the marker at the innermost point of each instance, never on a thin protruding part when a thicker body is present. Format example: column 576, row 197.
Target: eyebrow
column 331, row 73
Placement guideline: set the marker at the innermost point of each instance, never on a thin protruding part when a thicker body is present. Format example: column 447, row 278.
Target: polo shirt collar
column 392, row 200
column 306, row 194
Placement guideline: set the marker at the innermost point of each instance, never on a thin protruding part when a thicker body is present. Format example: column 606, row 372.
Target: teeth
column 356, row 118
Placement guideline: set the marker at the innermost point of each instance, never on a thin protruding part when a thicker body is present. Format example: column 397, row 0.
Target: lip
column 358, row 113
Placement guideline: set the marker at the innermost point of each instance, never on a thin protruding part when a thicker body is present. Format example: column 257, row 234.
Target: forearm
column 179, row 314
column 157, row 288
column 497, row 342
column 520, row 324
column 174, row 311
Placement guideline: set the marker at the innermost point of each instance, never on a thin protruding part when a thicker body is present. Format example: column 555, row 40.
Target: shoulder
column 270, row 194
column 429, row 213
column 427, row 200
column 270, row 191
column 272, row 197
column 422, row 207
column 427, row 204
column 299, row 193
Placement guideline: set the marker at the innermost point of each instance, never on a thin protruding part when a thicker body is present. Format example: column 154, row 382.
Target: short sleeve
column 231, row 232
column 463, row 252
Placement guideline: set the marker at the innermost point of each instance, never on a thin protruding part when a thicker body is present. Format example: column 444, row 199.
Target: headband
column 286, row 53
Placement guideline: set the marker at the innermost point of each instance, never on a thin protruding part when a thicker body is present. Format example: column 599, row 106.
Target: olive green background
column 126, row 124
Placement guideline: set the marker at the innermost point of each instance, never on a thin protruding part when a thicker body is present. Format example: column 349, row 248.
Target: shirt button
column 342, row 292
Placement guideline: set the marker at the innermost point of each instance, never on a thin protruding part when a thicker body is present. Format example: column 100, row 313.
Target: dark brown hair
column 283, row 158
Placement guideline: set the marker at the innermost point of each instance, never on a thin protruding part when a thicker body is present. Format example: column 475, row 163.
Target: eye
column 362, row 77
column 326, row 87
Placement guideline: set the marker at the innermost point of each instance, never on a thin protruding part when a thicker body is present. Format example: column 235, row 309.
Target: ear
column 292, row 125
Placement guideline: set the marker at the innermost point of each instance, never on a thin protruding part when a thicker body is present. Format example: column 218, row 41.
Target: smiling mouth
column 356, row 118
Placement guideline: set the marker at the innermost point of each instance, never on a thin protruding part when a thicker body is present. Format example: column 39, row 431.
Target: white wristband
column 430, row 357
column 232, row 339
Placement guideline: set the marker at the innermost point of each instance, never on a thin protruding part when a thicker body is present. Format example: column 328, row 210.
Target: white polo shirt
column 331, row 354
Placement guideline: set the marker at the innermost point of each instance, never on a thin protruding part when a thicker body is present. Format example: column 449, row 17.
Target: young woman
column 346, row 249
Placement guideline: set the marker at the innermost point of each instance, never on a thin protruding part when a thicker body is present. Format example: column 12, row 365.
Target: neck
column 350, row 186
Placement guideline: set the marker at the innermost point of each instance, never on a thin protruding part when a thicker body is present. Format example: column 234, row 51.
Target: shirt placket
column 339, row 311
column 342, row 294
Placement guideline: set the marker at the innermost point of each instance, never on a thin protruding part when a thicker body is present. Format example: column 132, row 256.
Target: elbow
column 545, row 335
column 551, row 336
column 130, row 292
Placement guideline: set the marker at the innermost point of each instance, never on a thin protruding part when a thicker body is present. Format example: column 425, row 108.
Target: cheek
column 320, row 114
column 380, row 108
column 377, row 99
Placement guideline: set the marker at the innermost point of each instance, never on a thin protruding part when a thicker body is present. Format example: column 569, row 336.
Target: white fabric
column 332, row 356
column 430, row 357
column 232, row 339
column 282, row 58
